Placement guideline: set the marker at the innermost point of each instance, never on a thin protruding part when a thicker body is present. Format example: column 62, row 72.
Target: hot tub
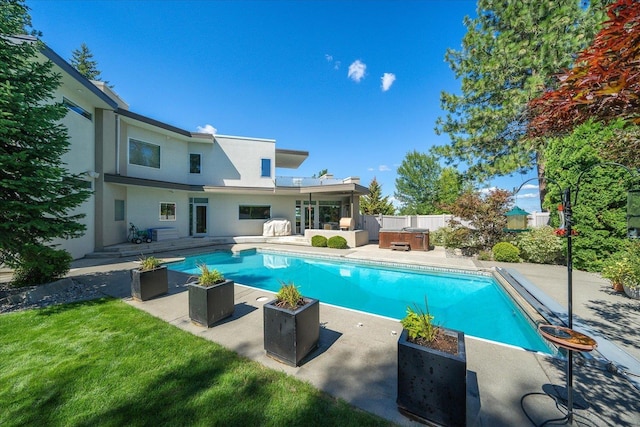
column 417, row 238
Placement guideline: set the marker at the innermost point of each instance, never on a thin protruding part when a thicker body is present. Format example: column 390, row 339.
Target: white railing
column 373, row 223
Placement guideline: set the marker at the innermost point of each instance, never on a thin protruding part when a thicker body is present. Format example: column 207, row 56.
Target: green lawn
column 105, row 363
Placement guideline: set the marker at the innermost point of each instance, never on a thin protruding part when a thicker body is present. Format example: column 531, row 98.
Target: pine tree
column 82, row 60
column 374, row 203
column 37, row 192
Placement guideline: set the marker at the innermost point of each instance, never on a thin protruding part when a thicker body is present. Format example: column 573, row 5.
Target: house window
column 144, row 154
column 266, row 168
column 254, row 212
column 194, row 163
column 75, row 107
column 118, row 210
column 167, row 211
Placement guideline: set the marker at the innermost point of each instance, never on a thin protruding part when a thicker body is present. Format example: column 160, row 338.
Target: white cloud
column 328, row 57
column 529, row 187
column 370, row 169
column 487, row 190
column 206, row 129
column 384, row 168
column 336, row 65
column 387, row 81
column 528, row 196
column 357, row 70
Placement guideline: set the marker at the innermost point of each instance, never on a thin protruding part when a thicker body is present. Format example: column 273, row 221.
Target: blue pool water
column 473, row 303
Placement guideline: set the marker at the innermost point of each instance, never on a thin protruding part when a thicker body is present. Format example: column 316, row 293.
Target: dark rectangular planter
column 432, row 385
column 149, row 284
column 291, row 335
column 210, row 304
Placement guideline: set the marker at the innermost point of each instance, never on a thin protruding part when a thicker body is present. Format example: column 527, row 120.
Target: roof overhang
column 333, row 190
column 290, row 159
column 156, row 125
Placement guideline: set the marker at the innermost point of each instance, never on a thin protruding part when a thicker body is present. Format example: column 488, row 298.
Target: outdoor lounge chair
column 346, row 223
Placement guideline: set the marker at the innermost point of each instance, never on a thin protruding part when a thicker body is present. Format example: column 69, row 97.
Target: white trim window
column 167, row 211
column 144, row 154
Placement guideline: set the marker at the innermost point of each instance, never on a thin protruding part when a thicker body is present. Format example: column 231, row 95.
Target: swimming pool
column 471, row 302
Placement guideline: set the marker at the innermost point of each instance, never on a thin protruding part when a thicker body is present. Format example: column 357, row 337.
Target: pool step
column 400, row 246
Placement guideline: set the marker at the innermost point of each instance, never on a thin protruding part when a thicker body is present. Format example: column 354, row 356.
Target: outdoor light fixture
column 563, row 337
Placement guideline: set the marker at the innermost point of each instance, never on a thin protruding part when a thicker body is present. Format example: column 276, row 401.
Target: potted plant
column 617, row 271
column 149, row 280
column 432, row 371
column 211, row 297
column 291, row 325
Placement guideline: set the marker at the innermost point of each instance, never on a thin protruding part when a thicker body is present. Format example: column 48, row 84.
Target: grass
column 104, row 363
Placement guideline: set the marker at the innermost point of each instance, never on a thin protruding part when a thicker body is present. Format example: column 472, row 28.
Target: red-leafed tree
column 604, row 83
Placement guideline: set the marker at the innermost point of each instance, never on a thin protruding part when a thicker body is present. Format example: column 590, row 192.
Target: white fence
column 373, row 223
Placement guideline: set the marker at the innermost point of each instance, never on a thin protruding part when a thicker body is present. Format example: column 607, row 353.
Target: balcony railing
column 288, row 181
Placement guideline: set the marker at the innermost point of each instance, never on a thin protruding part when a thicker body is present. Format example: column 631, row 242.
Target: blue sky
column 355, row 83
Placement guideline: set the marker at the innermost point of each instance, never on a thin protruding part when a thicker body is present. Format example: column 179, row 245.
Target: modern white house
column 180, row 183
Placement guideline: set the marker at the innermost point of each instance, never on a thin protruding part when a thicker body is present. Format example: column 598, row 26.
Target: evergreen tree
column 37, row 192
column 510, row 54
column 82, row 60
column 375, row 203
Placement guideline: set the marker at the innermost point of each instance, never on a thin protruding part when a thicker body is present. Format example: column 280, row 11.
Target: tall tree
column 82, row 60
column 599, row 211
column 417, row 183
column 509, row 55
column 450, row 186
column 375, row 203
column 37, row 193
column 603, row 84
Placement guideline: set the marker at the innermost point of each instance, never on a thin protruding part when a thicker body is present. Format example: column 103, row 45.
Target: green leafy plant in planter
column 623, row 270
column 149, row 280
column 291, row 325
column 211, row 298
column 432, row 370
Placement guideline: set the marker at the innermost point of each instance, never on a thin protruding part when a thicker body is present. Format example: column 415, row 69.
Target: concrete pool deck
column 356, row 360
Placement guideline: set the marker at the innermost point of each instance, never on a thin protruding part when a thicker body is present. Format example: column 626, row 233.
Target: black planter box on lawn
column 432, row 385
column 149, row 284
column 290, row 335
column 210, row 304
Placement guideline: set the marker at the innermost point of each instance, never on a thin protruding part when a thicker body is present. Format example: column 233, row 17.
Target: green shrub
column 319, row 241
column 506, row 252
column 437, row 237
column 540, row 245
column 38, row 264
column 337, row 242
column 624, row 267
column 485, row 256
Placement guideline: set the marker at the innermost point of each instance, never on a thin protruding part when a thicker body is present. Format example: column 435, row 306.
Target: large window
column 266, row 168
column 167, row 211
column 194, row 162
column 144, row 154
column 254, row 212
column 76, row 108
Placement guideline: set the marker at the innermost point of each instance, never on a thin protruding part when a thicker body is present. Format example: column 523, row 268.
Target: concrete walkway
column 356, row 360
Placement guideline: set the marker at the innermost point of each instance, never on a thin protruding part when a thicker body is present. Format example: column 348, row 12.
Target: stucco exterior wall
column 80, row 158
column 224, row 219
column 238, row 162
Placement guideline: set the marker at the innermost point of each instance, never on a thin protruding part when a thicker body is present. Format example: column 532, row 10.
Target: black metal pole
column 567, row 218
